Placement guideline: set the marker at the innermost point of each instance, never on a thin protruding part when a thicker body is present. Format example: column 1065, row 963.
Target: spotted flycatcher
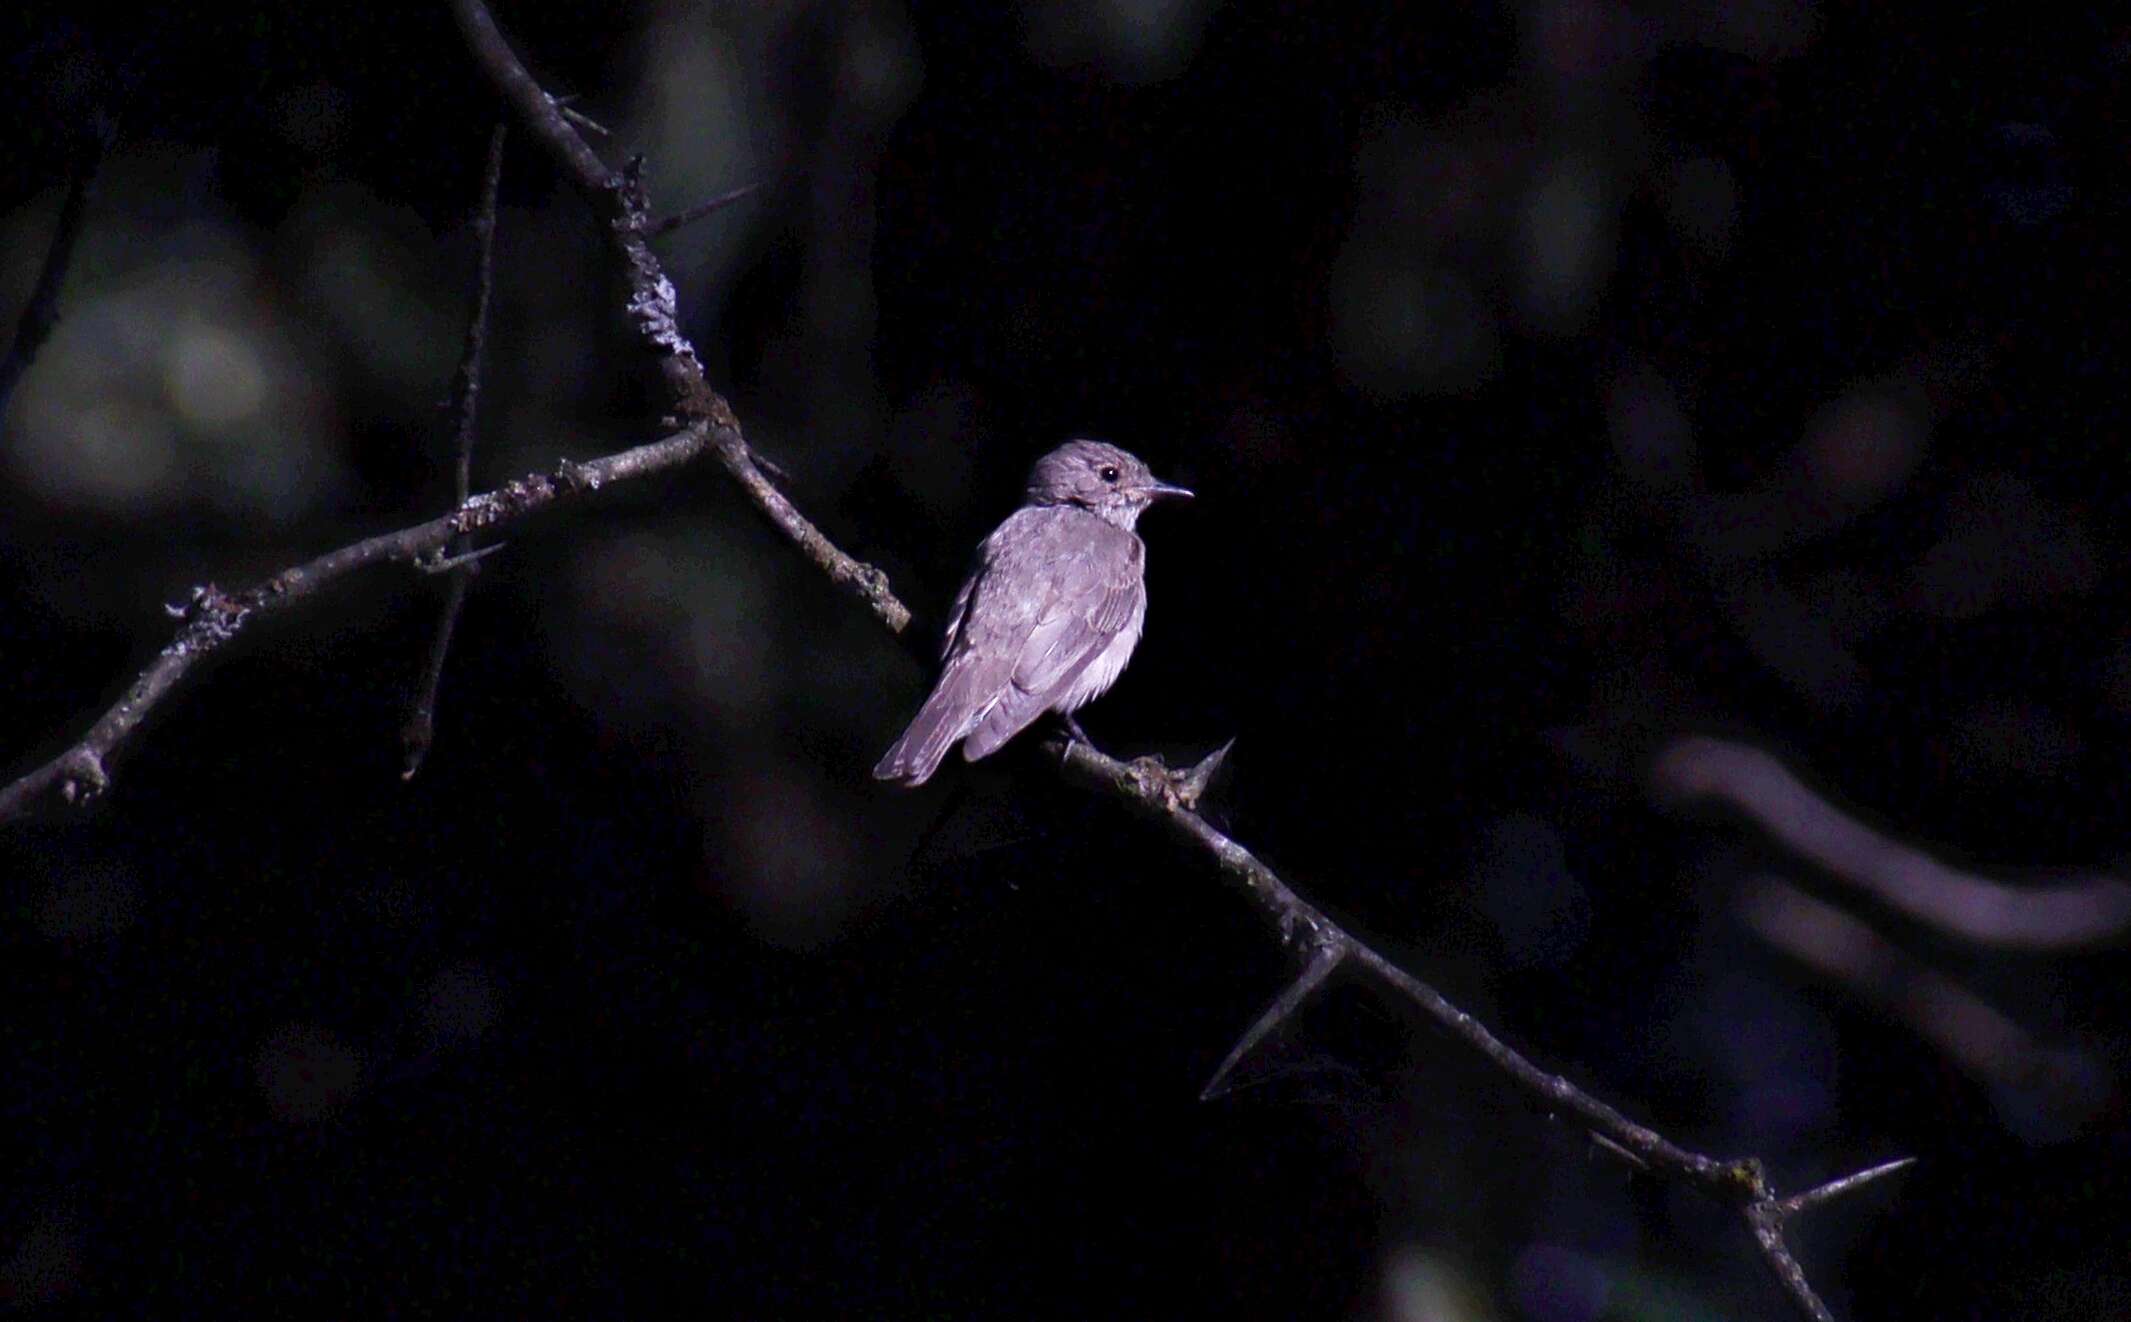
column 1049, row 616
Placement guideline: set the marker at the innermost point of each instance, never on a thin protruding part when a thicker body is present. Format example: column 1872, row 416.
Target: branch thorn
column 583, row 121
column 668, row 224
column 1192, row 784
column 441, row 563
column 1322, row 961
column 1619, row 1150
column 1833, row 1189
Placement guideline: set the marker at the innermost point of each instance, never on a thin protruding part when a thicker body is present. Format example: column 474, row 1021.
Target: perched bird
column 1049, row 616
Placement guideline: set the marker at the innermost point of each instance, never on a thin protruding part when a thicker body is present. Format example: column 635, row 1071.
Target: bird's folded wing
column 1090, row 609
column 1080, row 602
column 961, row 609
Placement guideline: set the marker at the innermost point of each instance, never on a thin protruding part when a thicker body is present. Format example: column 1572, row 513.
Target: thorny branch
column 214, row 617
column 618, row 198
column 1169, row 797
column 420, row 728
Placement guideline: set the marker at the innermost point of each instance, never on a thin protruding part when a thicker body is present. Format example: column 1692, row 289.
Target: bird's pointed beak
column 1160, row 490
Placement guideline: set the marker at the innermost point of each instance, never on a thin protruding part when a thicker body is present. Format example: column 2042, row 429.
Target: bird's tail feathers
column 946, row 716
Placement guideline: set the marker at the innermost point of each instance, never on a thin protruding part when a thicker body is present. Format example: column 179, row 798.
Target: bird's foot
column 1074, row 737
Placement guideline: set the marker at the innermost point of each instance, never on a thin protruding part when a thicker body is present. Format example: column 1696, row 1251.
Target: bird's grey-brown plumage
column 1049, row 616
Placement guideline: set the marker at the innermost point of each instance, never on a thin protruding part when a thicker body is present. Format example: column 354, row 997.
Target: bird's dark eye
column 1109, row 473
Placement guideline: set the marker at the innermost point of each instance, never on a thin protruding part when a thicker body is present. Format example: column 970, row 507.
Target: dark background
column 1558, row 379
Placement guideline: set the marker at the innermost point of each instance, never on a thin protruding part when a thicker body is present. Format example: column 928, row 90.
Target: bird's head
column 1099, row 478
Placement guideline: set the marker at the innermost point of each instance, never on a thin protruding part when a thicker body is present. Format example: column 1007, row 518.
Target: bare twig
column 41, row 313
column 419, row 731
column 213, row 617
column 618, row 197
column 466, row 381
column 661, row 228
column 708, row 423
column 2092, row 910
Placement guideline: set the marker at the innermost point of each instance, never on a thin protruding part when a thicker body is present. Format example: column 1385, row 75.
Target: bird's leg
column 1073, row 728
